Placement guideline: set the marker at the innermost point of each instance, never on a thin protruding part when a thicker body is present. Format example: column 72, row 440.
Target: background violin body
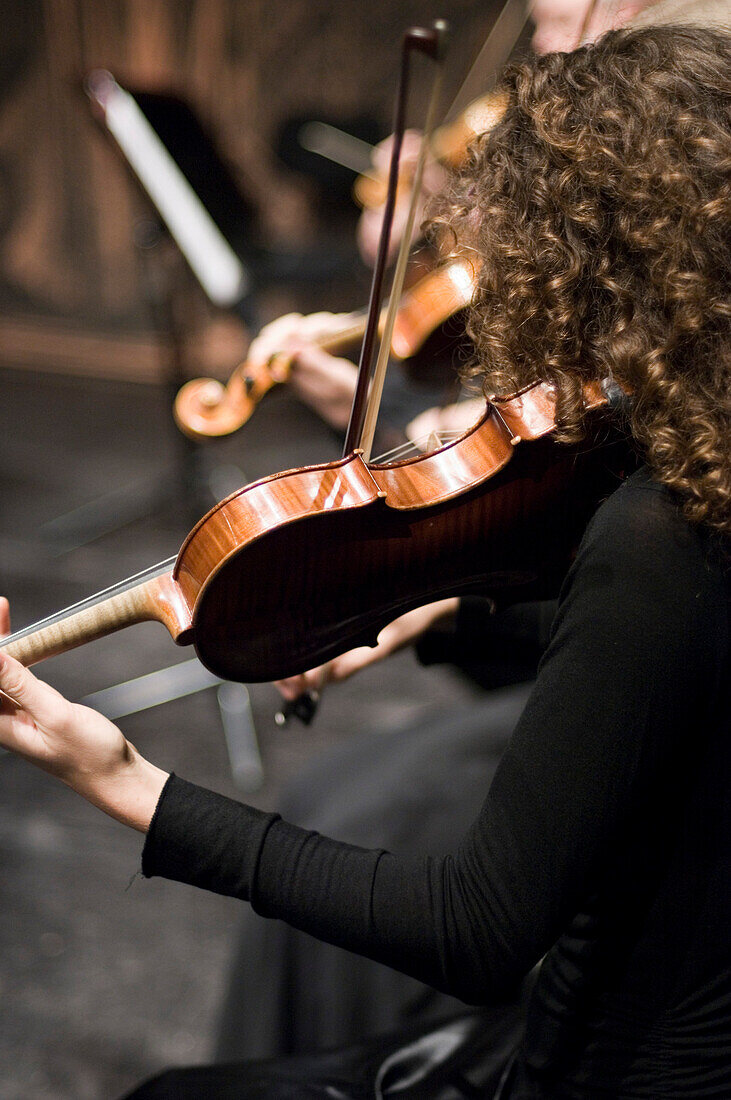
column 449, row 147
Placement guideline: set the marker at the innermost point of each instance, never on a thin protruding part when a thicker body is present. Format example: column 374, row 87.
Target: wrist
column 444, row 612
column 442, row 619
column 129, row 793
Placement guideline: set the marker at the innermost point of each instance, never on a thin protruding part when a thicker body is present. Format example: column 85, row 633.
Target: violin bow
column 486, row 68
column 384, row 351
column 429, row 41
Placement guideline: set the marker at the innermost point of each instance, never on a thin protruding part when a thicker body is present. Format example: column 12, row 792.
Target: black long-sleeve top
column 602, row 844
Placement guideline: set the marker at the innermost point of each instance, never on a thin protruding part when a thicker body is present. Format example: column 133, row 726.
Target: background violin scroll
column 205, row 408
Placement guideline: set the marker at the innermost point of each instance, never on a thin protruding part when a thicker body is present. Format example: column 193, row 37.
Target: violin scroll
column 205, row 408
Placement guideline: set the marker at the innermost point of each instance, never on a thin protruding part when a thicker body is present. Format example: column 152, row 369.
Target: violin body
column 300, row 567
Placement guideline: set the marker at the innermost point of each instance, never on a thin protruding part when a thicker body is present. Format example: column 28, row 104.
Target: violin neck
column 156, row 598
column 349, row 334
column 355, row 325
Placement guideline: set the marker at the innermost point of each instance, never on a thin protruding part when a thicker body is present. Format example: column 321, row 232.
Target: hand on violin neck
column 323, row 381
column 401, row 632
column 371, row 193
column 75, row 744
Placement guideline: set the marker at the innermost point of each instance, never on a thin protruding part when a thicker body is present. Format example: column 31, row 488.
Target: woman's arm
column 633, row 662
column 588, row 766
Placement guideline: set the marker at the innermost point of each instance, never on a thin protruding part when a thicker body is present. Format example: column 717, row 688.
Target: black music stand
column 197, row 212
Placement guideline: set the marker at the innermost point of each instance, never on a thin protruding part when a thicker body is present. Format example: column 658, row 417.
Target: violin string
column 91, row 601
column 402, row 450
column 416, row 446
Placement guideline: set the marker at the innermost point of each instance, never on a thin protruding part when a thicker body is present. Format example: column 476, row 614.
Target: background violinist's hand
column 446, row 418
column 324, row 382
column 369, row 224
column 75, row 744
column 401, row 632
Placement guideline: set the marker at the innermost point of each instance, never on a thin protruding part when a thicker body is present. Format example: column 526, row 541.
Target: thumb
column 40, row 701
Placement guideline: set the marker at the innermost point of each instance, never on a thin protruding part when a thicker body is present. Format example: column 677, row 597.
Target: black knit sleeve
column 493, row 647
column 639, row 621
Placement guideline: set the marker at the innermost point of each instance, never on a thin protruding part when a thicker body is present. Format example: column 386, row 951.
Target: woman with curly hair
column 599, row 212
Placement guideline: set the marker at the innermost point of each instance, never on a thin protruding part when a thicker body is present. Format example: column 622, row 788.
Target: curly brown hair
column 599, row 211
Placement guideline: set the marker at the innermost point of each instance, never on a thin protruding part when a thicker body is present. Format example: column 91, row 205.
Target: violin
column 205, row 408
column 301, row 566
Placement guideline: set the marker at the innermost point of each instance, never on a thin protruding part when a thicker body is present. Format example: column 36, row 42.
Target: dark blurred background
column 105, row 978
column 252, row 71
